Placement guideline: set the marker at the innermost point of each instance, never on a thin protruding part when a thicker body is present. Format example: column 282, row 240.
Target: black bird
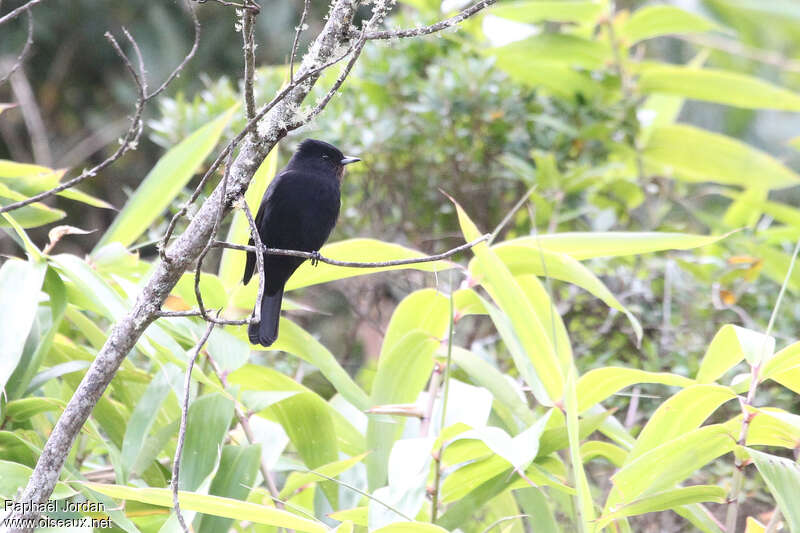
column 298, row 212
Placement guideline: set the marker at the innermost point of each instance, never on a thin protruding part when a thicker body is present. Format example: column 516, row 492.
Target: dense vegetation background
column 666, row 133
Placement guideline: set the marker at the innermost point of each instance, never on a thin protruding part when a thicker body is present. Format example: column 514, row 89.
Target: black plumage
column 298, row 212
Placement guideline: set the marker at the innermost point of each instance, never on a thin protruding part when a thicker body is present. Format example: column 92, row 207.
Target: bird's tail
column 266, row 331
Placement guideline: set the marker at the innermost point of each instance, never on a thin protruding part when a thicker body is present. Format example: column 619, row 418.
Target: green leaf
column 596, row 448
column 167, row 178
column 25, row 408
column 666, row 500
column 207, row 424
column 783, row 479
column 587, row 245
column 692, row 154
column 524, row 259
column 236, row 474
column 295, row 340
column 664, row 466
column 654, row 21
column 300, row 480
column 600, row 383
column 31, row 216
column 489, row 377
column 20, row 286
column 231, row 266
column 584, row 496
column 528, row 11
column 211, row 505
column 404, row 366
column 556, row 48
column 718, row 86
column 410, row 527
column 141, row 421
column 784, row 367
column 25, row 374
column 401, row 376
column 307, row 419
column 730, row 345
column 681, row 413
column 31, row 249
column 14, row 477
column 527, row 325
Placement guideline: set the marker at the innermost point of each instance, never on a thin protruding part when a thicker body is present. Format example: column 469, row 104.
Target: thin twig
column 437, row 456
column 25, row 49
column 131, row 138
column 250, row 6
column 747, row 416
column 188, row 57
column 182, row 432
column 433, row 28
column 433, row 391
column 355, row 264
column 307, row 255
column 297, row 31
column 249, row 47
column 17, row 12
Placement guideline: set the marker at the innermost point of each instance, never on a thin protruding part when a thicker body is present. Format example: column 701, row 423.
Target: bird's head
column 320, row 154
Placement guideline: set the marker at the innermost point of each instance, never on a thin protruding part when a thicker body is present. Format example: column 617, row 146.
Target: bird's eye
column 325, row 156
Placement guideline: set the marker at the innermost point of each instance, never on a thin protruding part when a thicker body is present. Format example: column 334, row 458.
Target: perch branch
column 310, row 255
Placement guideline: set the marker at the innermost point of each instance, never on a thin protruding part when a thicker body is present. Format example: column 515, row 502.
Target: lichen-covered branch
column 433, row 28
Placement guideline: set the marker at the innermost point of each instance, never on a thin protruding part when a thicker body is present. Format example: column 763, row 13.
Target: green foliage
column 633, row 213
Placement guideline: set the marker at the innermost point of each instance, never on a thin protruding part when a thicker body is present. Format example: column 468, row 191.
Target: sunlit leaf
column 167, row 178
column 692, row 154
column 718, row 86
column 783, row 479
column 657, row 20
column 211, row 505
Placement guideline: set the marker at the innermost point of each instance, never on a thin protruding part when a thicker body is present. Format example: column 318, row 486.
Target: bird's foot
column 315, row 258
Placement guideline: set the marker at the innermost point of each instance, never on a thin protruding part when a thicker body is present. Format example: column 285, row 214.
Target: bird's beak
column 347, row 160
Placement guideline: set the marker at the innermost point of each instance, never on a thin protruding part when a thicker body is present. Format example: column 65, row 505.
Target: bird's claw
column 315, row 258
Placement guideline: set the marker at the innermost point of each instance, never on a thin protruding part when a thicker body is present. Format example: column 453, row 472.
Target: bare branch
column 249, row 47
column 251, row 6
column 176, row 462
column 297, row 31
column 433, row 28
column 25, row 49
column 17, row 12
column 188, row 57
column 128, row 142
column 357, row 264
column 131, row 138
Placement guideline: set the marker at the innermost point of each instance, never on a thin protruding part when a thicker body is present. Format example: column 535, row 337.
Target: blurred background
column 443, row 113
